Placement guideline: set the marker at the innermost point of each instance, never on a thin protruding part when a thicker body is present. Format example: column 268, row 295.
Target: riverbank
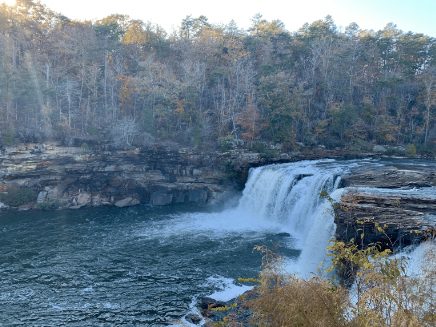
column 49, row 176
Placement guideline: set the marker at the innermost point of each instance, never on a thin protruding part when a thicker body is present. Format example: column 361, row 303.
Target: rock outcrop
column 51, row 177
column 235, row 312
column 392, row 176
column 74, row 177
column 369, row 213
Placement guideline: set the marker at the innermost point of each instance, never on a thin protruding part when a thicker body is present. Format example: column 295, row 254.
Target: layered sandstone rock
column 369, row 212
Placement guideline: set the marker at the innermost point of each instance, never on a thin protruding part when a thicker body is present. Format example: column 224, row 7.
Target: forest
column 124, row 82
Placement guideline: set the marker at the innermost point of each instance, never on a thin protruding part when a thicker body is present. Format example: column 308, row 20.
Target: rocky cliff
column 394, row 204
column 50, row 176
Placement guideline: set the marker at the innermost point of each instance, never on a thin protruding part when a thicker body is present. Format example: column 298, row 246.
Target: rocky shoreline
column 53, row 177
column 49, row 176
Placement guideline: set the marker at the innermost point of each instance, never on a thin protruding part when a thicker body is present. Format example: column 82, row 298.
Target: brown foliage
column 289, row 301
column 383, row 295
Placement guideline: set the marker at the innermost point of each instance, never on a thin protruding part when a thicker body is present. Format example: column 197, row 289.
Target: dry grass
column 288, row 301
column 383, row 295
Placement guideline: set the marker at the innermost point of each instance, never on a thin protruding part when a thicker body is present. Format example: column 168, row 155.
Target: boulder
column 193, row 318
column 127, row 202
column 83, row 199
column 207, row 303
column 42, row 197
column 26, row 207
column 379, row 148
column 53, row 194
column 99, row 200
column 284, row 234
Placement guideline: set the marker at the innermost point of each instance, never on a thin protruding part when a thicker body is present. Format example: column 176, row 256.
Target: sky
column 409, row 15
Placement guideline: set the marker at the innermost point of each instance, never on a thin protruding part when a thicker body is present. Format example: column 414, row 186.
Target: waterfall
column 290, row 195
column 282, row 198
column 419, row 259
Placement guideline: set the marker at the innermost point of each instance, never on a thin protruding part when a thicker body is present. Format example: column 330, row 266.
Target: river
column 147, row 266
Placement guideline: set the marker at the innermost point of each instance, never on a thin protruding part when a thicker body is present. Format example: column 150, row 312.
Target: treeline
column 125, row 82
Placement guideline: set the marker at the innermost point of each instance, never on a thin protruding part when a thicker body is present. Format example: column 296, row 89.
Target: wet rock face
column 391, row 177
column 193, row 318
column 162, row 198
column 394, row 219
column 403, row 220
column 236, row 312
column 71, row 177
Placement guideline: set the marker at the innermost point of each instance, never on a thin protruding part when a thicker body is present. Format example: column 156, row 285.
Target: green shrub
column 426, row 150
column 411, row 150
column 224, row 308
column 228, row 142
column 264, row 150
column 8, row 138
column 51, row 205
column 16, row 196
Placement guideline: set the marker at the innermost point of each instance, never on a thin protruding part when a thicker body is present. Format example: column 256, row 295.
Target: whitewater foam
column 227, row 288
column 417, row 258
column 284, row 198
column 415, row 262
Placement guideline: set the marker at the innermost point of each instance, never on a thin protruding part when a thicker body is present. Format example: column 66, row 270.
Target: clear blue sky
column 414, row 15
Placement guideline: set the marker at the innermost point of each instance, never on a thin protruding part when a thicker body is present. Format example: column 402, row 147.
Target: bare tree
column 429, row 78
column 123, row 132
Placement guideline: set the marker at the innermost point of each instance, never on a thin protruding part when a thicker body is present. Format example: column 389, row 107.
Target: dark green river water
column 104, row 267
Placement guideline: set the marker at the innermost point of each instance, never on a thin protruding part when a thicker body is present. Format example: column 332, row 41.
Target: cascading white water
column 290, row 195
column 276, row 199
